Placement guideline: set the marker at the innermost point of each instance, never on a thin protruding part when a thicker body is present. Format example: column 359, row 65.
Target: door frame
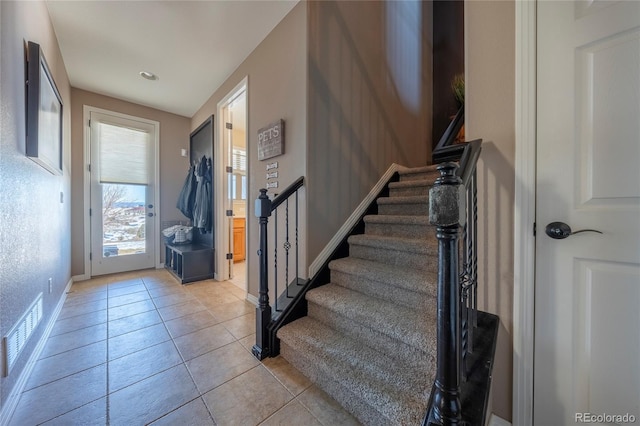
column 222, row 181
column 86, row 111
column 525, row 213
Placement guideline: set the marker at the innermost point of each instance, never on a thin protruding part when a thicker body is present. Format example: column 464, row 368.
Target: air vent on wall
column 18, row 336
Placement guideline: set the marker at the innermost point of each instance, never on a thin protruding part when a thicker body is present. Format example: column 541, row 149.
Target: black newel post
column 263, row 311
column 447, row 213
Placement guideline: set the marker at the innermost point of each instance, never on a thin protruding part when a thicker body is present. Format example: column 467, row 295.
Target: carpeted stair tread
column 408, row 199
column 410, row 187
column 403, row 252
column 414, row 205
column 427, row 246
column 415, row 328
column 372, row 338
column 399, row 226
column 419, row 173
column 384, row 384
column 415, row 280
column 399, row 219
column 411, row 183
column 416, row 170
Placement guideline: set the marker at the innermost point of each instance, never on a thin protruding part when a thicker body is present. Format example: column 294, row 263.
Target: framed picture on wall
column 44, row 113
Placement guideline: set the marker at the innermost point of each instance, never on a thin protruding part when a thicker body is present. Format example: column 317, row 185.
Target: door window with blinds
column 238, row 185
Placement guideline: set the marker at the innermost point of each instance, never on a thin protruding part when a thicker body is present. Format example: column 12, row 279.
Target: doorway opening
column 233, row 194
column 122, row 175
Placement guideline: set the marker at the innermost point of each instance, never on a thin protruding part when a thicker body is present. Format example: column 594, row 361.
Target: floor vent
column 18, row 336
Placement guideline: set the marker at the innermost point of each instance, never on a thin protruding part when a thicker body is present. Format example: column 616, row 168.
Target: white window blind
column 239, row 160
column 124, row 154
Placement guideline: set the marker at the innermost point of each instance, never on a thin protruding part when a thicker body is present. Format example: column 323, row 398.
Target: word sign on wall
column 271, row 140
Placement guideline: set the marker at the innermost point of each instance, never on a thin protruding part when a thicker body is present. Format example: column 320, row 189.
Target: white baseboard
column 82, row 277
column 352, row 220
column 498, row 421
column 251, row 298
column 14, row 396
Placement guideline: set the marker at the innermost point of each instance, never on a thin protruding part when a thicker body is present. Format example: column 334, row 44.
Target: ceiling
column 192, row 46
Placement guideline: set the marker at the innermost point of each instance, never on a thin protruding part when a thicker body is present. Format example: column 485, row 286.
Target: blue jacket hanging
column 187, row 196
column 203, row 207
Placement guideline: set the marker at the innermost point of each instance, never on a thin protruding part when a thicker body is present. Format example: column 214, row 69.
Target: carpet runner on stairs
column 369, row 339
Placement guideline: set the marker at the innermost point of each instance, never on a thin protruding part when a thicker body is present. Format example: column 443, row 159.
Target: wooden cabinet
column 239, row 239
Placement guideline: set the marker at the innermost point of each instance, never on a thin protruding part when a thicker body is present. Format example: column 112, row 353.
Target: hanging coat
column 203, row 205
column 187, row 195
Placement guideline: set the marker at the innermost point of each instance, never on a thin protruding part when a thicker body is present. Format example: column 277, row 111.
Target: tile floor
column 139, row 348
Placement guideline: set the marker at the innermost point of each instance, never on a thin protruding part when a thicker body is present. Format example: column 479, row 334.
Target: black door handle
column 560, row 230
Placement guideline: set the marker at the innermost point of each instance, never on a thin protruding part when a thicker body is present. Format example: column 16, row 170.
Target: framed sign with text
column 271, row 140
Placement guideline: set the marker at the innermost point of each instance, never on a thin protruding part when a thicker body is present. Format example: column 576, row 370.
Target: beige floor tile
column 293, row 413
column 243, row 400
column 136, row 288
column 127, row 299
column 288, row 375
column 242, row 326
column 166, row 282
column 88, row 286
column 176, row 311
column 172, row 299
column 216, row 367
column 232, row 310
column 195, row 413
column 67, row 363
column 121, row 284
column 202, row 341
column 124, row 282
column 139, row 365
column 82, row 308
column 129, row 343
column 325, row 408
column 80, row 298
column 74, row 339
column 156, row 292
column 91, row 414
column 57, row 398
column 131, row 309
column 133, row 323
column 216, row 298
column 249, row 341
column 190, row 323
column 67, row 325
column 238, row 292
column 143, row 401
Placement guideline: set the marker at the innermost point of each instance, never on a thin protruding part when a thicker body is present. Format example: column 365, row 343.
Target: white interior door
column 123, row 170
column 587, row 303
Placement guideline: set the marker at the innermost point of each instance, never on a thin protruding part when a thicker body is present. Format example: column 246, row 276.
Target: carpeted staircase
column 369, row 339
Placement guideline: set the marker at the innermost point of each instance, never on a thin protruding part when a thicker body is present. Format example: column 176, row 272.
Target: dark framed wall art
column 44, row 113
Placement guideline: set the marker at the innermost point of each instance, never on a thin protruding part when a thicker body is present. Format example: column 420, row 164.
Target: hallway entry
column 234, row 177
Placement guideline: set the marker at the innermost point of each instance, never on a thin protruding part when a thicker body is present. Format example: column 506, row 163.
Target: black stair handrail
column 453, row 210
column 449, row 135
column 264, row 207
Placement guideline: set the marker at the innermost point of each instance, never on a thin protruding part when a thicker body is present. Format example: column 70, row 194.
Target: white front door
column 587, row 296
column 123, row 207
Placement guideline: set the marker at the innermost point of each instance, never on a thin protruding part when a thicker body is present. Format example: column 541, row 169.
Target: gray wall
column 35, row 226
column 490, row 115
column 174, row 135
column 370, row 74
column 276, row 72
